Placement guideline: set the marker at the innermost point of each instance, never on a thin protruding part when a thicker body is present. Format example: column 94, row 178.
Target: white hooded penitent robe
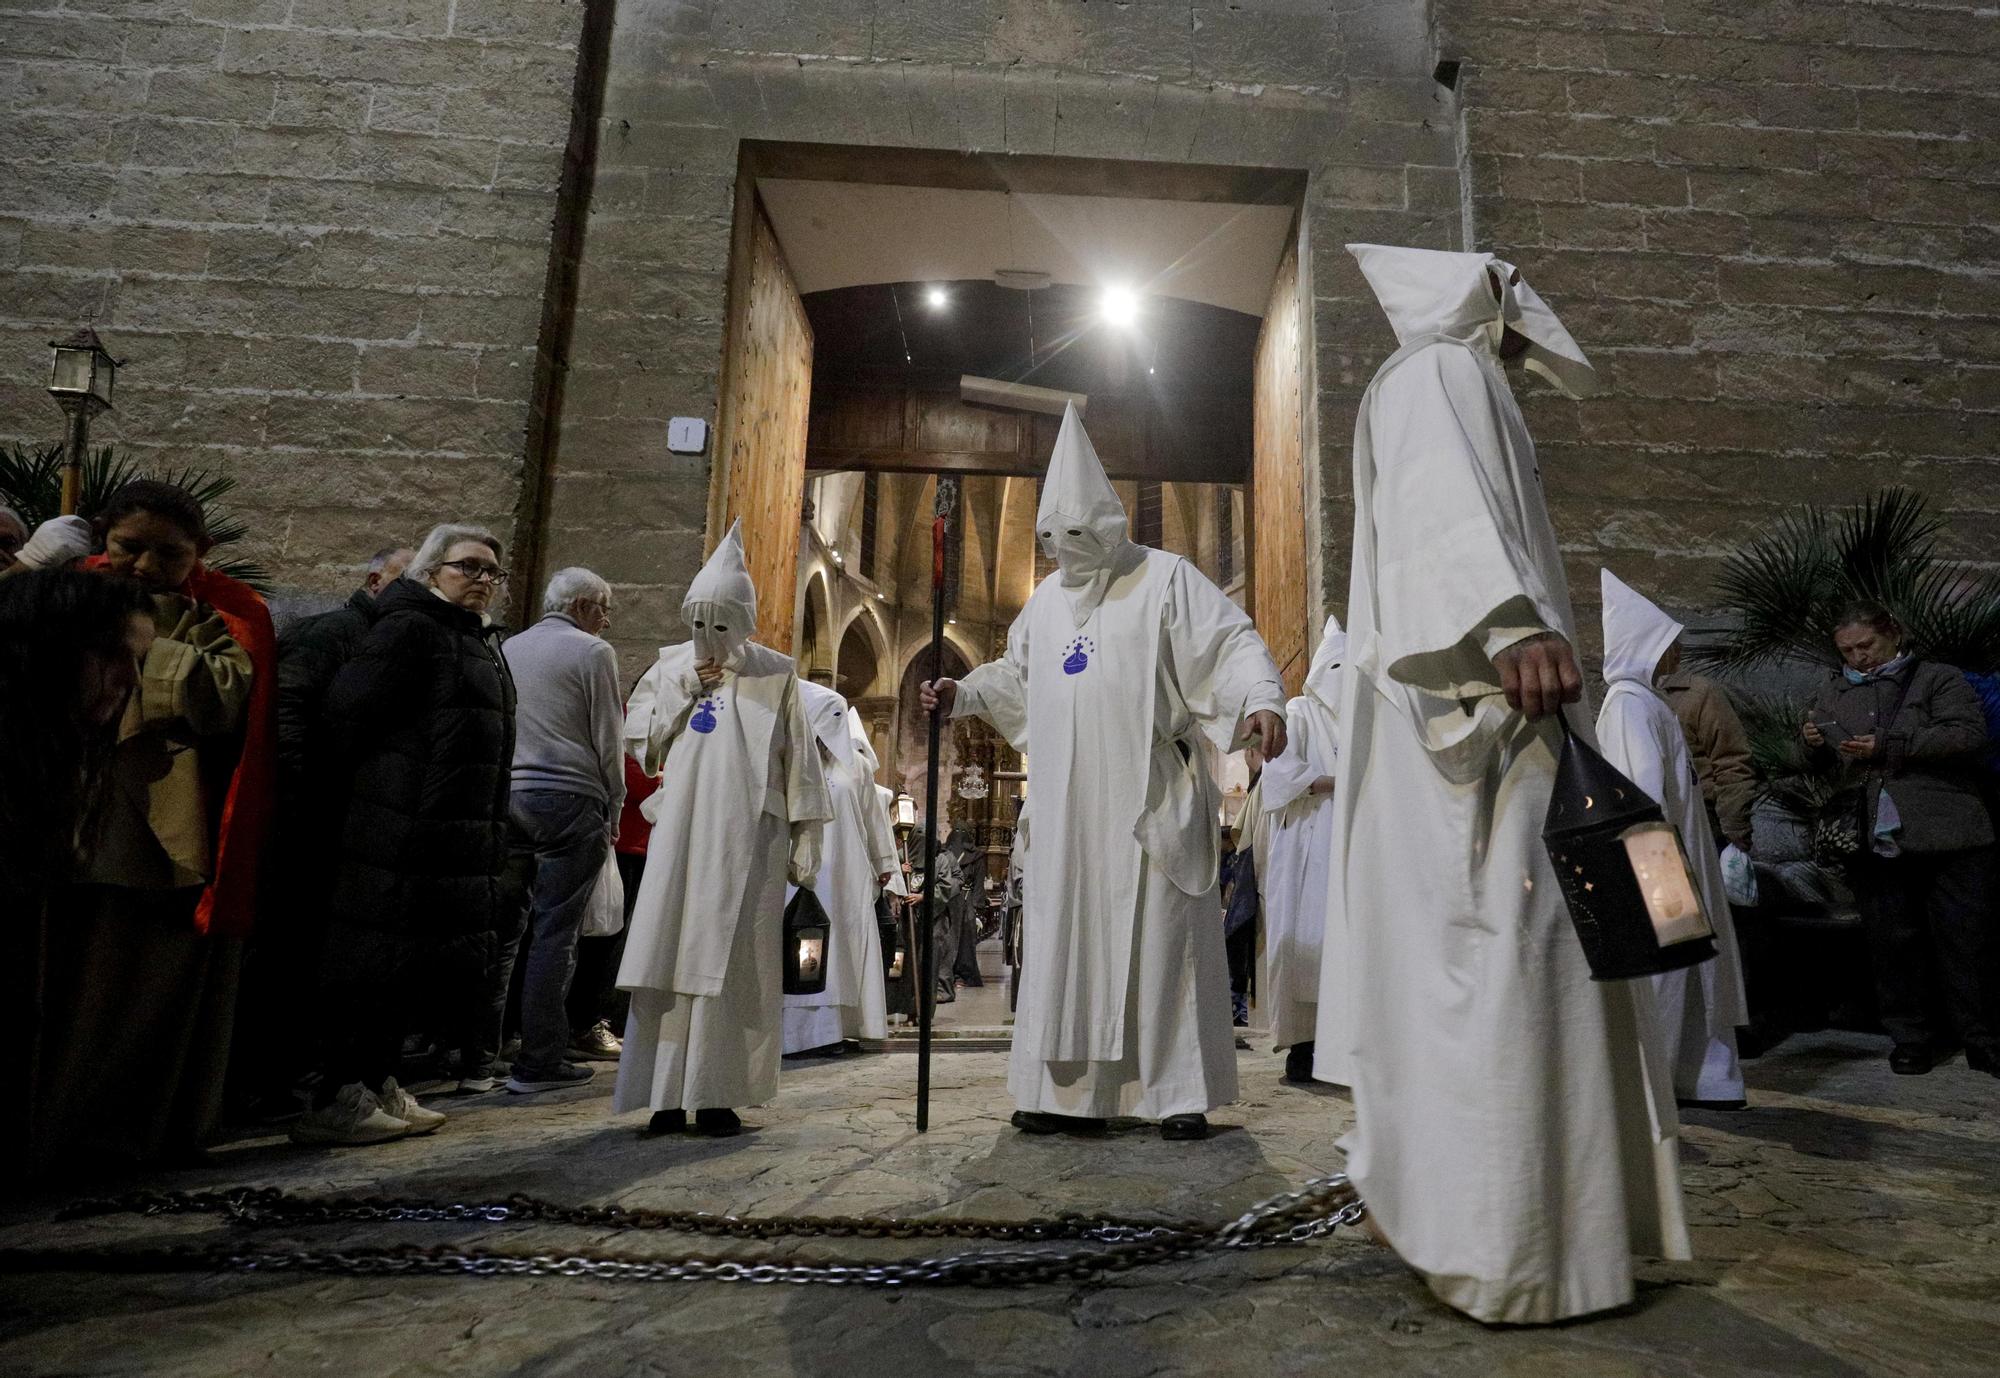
column 1121, row 666
column 1292, row 857
column 1507, row 1140
column 1695, row 1010
column 856, row 850
column 740, row 809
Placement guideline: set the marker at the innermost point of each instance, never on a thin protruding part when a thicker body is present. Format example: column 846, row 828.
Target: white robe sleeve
column 1218, row 662
column 1253, row 830
column 657, row 712
column 998, row 690
column 875, row 834
column 807, row 806
column 1289, row 777
column 1456, row 581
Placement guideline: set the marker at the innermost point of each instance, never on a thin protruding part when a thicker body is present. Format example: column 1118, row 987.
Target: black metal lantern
column 806, row 930
column 82, row 374
column 894, row 956
column 1624, row 873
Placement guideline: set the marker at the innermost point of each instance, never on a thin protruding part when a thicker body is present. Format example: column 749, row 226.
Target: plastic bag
column 1739, row 877
column 604, row 916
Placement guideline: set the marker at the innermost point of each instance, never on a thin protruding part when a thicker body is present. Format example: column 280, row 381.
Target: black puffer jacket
column 425, row 711
column 310, row 653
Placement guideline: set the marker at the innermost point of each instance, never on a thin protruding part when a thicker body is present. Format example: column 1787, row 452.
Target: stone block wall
column 1340, row 89
column 318, row 230
column 1775, row 227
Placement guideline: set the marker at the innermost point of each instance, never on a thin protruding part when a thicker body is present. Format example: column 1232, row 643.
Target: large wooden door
column 761, row 424
column 1277, row 482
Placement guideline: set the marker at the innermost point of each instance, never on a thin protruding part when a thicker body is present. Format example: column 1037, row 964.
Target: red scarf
column 228, row 903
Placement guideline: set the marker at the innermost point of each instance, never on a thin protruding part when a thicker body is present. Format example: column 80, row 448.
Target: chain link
column 1115, row 1244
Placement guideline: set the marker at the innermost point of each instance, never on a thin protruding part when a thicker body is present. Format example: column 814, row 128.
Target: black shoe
column 1040, row 1122
column 1184, row 1127
column 555, row 1079
column 717, row 1124
column 1911, row 1060
column 1299, row 1062
column 1690, row 1103
column 667, row 1122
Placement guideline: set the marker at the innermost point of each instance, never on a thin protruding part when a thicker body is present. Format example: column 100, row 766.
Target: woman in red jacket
column 142, row 973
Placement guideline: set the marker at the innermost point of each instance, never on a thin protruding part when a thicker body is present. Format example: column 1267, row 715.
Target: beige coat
column 177, row 744
column 1721, row 749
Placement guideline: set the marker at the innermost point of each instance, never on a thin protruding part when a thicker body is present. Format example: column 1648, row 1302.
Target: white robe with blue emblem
column 1118, row 699
column 740, row 807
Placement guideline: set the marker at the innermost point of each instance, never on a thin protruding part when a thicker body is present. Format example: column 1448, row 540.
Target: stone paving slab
column 1849, row 1224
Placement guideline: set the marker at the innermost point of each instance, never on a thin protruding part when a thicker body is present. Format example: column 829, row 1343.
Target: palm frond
column 1777, row 585
column 251, row 572
column 1786, row 588
column 31, row 484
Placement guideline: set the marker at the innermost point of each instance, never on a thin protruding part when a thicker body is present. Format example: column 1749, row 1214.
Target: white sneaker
column 403, row 1106
column 597, row 1043
column 354, row 1116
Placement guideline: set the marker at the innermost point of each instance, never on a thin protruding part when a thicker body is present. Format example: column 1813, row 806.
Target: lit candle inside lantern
column 1662, row 869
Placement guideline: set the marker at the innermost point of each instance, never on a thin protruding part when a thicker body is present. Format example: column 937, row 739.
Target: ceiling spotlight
column 1119, row 306
column 935, row 298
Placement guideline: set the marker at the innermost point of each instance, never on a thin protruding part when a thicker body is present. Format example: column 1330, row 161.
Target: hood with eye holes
column 723, row 589
column 1078, row 502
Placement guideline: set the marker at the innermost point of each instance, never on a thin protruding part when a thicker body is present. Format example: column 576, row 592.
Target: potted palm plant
column 1782, row 594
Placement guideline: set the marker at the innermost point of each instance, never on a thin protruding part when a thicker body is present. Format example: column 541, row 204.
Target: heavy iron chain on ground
column 1110, row 1244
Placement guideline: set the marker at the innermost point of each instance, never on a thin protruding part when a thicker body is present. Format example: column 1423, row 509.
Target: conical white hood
column 826, row 711
column 1081, row 524
column 1432, row 292
column 1636, row 632
column 721, row 604
column 1076, row 494
column 863, row 748
column 1329, row 657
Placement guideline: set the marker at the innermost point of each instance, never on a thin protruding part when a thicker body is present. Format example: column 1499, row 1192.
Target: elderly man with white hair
column 568, row 788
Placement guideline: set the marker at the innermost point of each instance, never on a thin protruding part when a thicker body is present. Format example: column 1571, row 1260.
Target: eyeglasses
column 478, row 571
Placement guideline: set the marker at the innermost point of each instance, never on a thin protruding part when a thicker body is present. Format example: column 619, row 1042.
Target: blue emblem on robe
column 1078, row 659
column 703, row 720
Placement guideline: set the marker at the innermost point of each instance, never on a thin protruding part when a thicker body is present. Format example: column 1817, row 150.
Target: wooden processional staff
column 947, row 501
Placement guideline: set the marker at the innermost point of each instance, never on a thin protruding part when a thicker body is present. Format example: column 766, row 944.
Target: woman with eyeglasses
column 425, row 714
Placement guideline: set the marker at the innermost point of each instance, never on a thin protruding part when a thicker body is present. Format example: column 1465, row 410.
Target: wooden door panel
column 1277, row 483
column 767, row 382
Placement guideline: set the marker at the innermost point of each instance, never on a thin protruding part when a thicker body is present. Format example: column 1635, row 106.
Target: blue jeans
column 559, row 841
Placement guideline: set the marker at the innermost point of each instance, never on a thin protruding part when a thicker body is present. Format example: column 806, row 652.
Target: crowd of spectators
column 247, row 869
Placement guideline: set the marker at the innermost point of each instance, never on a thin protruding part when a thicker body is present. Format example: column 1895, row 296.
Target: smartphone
column 1832, row 731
